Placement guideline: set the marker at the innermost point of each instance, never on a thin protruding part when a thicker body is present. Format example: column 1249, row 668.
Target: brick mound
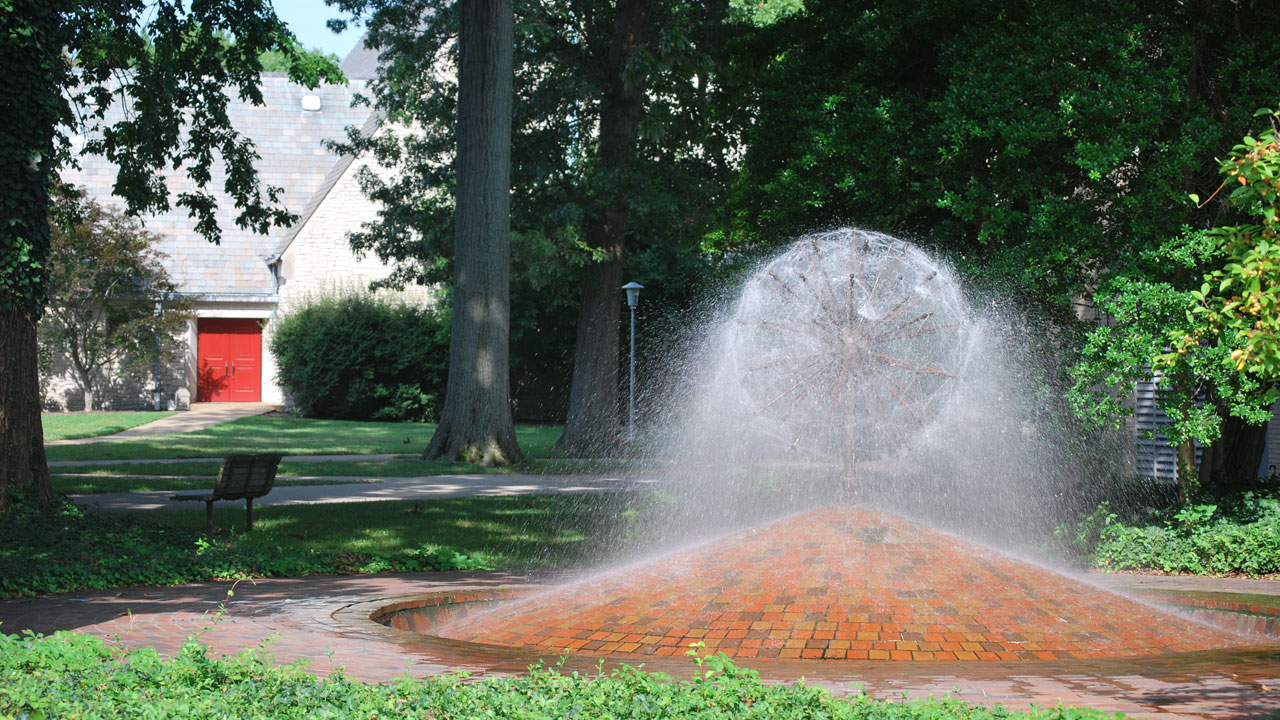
column 839, row 584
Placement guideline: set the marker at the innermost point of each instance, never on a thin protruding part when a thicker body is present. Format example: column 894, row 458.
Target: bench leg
column 208, row 517
column 248, row 514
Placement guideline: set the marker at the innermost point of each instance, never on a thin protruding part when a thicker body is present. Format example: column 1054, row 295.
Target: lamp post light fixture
column 633, row 298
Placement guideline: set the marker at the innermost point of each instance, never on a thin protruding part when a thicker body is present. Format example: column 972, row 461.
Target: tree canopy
column 620, row 154
column 112, row 304
column 69, row 62
column 1046, row 148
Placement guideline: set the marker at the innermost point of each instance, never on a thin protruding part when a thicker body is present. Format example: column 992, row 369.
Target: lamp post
column 157, row 393
column 633, row 298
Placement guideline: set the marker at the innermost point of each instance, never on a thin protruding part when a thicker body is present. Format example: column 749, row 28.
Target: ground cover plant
column 68, row 426
column 290, row 436
column 67, row 549
column 71, row 675
column 1234, row 534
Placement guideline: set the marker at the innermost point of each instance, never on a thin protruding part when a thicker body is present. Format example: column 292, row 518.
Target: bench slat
column 241, row 477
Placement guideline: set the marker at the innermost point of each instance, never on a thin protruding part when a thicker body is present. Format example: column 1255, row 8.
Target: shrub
column 72, row 675
column 363, row 357
column 1240, row 534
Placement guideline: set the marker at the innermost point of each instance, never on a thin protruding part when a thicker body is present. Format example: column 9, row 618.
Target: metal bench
column 241, row 476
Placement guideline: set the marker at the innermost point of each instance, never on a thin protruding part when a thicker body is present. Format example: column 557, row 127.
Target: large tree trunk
column 1237, row 456
column 593, row 422
column 32, row 53
column 475, row 423
column 23, row 470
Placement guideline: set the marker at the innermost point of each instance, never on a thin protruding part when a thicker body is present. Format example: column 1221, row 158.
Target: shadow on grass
column 508, row 533
column 290, row 436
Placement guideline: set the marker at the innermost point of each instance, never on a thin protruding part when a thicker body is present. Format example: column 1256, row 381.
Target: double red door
column 229, row 360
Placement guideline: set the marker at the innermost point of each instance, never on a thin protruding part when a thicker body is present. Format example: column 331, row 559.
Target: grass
column 503, row 533
column 69, row 426
column 290, row 436
column 66, row 548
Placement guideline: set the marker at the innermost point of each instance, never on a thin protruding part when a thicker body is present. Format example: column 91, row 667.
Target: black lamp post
column 633, row 298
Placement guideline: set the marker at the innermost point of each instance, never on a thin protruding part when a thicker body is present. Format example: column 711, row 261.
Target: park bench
column 241, row 476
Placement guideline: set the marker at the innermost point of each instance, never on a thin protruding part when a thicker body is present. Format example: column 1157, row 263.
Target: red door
column 229, row 360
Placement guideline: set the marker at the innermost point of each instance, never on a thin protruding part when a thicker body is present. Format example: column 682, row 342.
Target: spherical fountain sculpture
column 845, row 352
column 848, row 344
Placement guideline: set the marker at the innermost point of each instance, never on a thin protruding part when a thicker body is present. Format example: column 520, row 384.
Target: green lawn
column 290, row 436
column 66, row 548
column 68, row 426
column 505, row 533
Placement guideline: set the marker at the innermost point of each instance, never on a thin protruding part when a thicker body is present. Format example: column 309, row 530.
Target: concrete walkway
column 372, row 489
column 199, row 417
column 287, row 458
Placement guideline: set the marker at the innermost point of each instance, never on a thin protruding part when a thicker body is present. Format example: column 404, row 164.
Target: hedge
column 364, row 357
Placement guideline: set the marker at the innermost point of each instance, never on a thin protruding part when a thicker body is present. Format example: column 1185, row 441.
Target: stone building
column 242, row 285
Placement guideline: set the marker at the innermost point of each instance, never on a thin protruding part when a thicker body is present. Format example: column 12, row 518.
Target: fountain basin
column 1249, row 615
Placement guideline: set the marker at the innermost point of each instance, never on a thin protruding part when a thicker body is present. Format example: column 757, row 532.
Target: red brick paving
column 324, row 620
column 840, row 584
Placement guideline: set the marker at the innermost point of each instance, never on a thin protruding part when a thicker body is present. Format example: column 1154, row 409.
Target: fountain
column 847, row 345
column 852, row 377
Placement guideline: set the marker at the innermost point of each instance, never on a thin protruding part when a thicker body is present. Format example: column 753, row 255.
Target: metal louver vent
column 1152, row 456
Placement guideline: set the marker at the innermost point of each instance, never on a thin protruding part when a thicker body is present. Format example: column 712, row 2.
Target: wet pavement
column 841, row 584
column 325, row 620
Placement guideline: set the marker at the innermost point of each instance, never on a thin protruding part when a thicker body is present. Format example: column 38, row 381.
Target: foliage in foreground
column 67, row 675
column 1236, row 534
column 66, row 549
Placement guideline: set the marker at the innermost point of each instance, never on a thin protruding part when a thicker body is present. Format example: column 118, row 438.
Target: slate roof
column 322, row 192
column 361, row 62
column 290, row 141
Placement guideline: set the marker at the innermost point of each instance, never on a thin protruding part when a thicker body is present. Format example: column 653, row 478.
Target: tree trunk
column 1207, row 455
column 86, row 386
column 593, row 424
column 1187, row 480
column 31, row 50
column 475, row 422
column 23, row 470
column 1238, row 454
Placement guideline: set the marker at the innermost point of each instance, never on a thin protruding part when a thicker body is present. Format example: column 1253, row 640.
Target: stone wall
column 118, row 388
column 319, row 262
